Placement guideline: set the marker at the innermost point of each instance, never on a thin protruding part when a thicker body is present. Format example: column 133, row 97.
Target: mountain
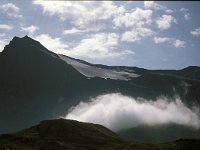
column 37, row 84
column 64, row 134
column 32, row 80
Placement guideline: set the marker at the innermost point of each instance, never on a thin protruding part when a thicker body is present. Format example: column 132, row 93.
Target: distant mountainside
column 37, row 84
column 69, row 134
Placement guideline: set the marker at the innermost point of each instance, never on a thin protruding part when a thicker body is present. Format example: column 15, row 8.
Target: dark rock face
column 32, row 79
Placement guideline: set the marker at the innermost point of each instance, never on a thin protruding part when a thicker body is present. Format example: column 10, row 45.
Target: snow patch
column 92, row 71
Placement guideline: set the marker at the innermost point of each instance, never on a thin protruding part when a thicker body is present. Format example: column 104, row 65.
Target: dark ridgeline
column 64, row 134
column 36, row 84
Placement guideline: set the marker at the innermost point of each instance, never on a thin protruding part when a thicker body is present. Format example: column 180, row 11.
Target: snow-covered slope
column 93, row 71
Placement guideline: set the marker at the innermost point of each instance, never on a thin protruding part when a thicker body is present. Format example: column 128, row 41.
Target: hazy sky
column 152, row 35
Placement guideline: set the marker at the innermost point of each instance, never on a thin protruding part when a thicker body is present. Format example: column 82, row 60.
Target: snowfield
column 92, row 71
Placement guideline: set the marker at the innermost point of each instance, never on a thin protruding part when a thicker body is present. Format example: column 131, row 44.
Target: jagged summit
column 24, row 44
column 26, row 38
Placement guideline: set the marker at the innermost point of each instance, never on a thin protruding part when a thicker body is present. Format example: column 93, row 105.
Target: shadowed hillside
column 64, row 134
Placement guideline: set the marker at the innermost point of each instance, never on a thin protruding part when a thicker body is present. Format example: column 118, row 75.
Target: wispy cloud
column 118, row 112
column 98, row 46
column 74, row 30
column 158, row 40
column 10, row 6
column 195, row 32
column 172, row 41
column 186, row 13
column 11, row 9
column 2, row 34
column 6, row 27
column 179, row 43
column 169, row 11
column 30, row 29
column 153, row 5
column 2, row 44
column 54, row 44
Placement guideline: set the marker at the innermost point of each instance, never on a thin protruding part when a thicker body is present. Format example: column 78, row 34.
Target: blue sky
column 152, row 35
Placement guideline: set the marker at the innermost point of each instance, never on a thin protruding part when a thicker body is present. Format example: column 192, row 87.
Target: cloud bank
column 118, row 112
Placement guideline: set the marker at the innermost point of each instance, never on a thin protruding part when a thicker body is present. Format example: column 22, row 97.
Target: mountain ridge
column 26, row 37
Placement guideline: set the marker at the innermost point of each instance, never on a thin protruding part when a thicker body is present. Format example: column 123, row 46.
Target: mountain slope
column 37, row 84
column 63, row 134
column 69, row 134
column 32, row 78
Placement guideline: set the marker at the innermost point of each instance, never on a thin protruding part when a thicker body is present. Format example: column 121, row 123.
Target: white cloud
column 153, row 4
column 149, row 4
column 179, row 43
column 74, row 30
column 14, row 15
column 195, row 32
column 169, row 11
column 2, row 34
column 3, row 41
column 130, row 36
column 54, row 44
column 6, row 27
column 118, row 112
column 187, row 16
column 136, row 34
column 10, row 6
column 2, row 44
column 91, row 28
column 137, row 18
column 165, row 22
column 11, row 9
column 30, row 29
column 174, row 42
column 80, row 13
column 186, row 13
column 158, row 40
column 98, row 46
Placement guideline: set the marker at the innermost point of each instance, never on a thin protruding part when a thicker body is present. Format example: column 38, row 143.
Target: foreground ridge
column 64, row 134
